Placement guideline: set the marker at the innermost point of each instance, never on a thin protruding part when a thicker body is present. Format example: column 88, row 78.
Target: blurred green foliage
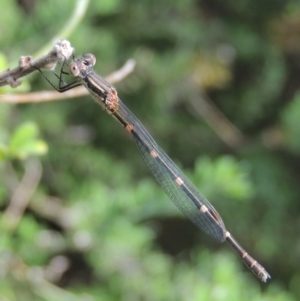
column 23, row 143
column 97, row 226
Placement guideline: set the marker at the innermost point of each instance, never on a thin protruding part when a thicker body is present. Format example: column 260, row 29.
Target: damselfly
column 176, row 185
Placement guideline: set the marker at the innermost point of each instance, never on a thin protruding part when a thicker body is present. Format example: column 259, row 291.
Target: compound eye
column 74, row 70
column 89, row 60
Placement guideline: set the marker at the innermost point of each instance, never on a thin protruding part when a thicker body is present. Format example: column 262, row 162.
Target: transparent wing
column 185, row 196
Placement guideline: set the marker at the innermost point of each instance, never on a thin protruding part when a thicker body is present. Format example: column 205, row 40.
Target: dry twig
column 23, row 193
column 62, row 50
column 43, row 96
column 202, row 106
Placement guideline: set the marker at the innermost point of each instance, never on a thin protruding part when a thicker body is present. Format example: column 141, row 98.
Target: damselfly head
column 83, row 65
column 73, row 68
column 89, row 60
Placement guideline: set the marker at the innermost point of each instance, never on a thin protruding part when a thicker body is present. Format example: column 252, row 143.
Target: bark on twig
column 44, row 96
column 61, row 51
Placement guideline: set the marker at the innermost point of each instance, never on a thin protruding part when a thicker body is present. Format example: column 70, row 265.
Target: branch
column 61, row 51
column 202, row 106
column 22, row 194
column 43, row 96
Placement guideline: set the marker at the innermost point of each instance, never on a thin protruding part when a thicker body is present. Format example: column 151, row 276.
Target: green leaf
column 28, row 228
column 3, row 61
column 223, row 176
column 24, row 143
column 24, row 133
column 3, row 152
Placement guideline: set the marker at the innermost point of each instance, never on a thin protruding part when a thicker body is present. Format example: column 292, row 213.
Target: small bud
column 24, row 61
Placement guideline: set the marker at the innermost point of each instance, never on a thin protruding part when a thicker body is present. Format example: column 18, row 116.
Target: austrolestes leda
column 176, row 185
